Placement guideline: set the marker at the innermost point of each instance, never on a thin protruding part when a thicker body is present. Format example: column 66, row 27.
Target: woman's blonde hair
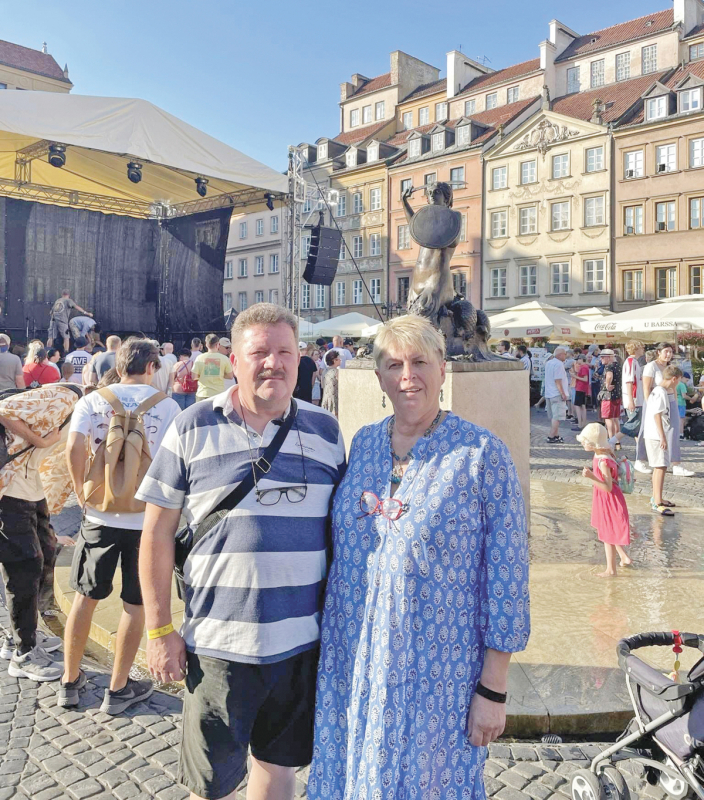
column 407, row 333
column 633, row 345
column 34, row 347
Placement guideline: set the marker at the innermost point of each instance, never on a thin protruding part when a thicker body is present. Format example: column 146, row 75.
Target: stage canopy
column 101, row 135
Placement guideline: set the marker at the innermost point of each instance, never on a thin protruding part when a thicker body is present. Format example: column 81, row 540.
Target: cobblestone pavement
column 563, row 462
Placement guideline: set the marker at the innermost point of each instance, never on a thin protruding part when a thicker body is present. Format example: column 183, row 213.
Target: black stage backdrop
column 163, row 278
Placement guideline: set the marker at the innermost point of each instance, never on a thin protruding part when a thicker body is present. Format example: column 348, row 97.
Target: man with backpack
column 124, row 424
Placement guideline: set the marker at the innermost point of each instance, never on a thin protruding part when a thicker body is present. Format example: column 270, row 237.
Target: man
column 225, row 347
column 632, row 393
column 107, row 536
column 58, row 319
column 102, row 362
column 556, row 393
column 251, row 630
column 504, row 349
column 11, row 375
column 79, row 358
column 196, row 348
column 307, row 370
column 167, row 350
column 338, row 345
column 524, row 358
column 211, row 369
column 81, row 326
column 611, row 393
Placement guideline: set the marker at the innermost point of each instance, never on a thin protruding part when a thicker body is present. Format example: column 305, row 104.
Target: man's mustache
column 270, row 373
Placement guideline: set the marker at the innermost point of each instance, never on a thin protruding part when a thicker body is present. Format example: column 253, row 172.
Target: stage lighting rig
column 134, row 172
column 269, row 201
column 202, row 186
column 57, row 155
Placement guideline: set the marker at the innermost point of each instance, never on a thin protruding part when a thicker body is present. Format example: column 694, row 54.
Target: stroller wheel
column 586, row 786
column 614, row 784
column 677, row 788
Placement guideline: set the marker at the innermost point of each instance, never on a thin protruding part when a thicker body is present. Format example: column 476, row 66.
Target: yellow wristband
column 157, row 633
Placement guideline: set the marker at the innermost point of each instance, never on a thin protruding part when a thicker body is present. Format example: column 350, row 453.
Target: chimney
column 346, row 90
column 688, row 14
column 460, row 71
column 44, row 50
column 358, row 79
column 598, row 111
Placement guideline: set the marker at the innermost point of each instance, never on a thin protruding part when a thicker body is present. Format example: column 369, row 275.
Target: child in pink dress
column 609, row 510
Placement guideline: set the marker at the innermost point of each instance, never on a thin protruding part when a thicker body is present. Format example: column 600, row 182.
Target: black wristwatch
column 489, row 694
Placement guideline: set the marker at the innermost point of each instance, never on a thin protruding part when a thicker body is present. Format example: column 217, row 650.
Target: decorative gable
column 543, row 135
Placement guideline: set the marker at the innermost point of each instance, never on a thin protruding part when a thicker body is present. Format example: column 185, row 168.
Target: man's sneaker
column 641, row 466
column 44, row 640
column 555, row 440
column 35, row 665
column 132, row 693
column 68, row 692
column 682, row 472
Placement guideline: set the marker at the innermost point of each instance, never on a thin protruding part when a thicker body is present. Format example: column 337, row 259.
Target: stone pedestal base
column 493, row 394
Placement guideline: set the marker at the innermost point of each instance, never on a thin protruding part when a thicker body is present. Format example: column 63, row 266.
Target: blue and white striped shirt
column 254, row 583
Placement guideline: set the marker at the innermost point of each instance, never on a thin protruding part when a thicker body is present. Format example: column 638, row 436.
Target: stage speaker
column 323, row 255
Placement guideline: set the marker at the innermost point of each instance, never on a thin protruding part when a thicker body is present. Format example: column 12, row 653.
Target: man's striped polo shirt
column 255, row 582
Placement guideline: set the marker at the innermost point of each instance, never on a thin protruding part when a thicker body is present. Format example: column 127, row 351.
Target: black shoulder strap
column 262, row 465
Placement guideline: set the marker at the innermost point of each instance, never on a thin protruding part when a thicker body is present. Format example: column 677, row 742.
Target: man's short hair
column 67, row 369
column 65, row 293
column 184, row 351
column 633, row 345
column 559, row 350
column 671, row 371
column 522, row 349
column 263, row 314
column 195, row 343
column 212, row 340
column 113, row 342
column 134, row 356
column 505, row 344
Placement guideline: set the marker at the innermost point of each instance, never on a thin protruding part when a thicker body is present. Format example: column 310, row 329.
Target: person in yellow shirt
column 212, row 369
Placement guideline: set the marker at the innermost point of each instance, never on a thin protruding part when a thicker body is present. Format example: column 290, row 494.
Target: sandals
column 668, row 504
column 662, row 509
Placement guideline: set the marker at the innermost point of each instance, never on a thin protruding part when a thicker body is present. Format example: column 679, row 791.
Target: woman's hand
column 486, row 721
column 587, row 473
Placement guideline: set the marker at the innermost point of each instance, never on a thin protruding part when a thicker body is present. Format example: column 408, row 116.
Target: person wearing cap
column 79, row 358
column 556, row 393
column 307, row 370
column 225, row 346
column 211, row 369
column 610, row 393
column 11, row 375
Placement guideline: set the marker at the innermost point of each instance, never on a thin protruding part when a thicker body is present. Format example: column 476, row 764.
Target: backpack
column 189, row 384
column 626, row 477
column 121, row 460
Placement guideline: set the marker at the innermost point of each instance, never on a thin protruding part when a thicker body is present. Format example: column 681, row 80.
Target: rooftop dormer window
column 322, row 152
column 414, row 148
column 656, row 108
column 438, row 142
column 463, row 134
column 373, row 152
column 690, row 100
column 351, row 158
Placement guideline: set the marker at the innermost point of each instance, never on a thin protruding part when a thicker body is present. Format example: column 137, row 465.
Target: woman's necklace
column 397, row 469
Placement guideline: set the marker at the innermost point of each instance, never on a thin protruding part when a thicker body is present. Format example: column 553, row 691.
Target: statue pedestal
column 493, row 394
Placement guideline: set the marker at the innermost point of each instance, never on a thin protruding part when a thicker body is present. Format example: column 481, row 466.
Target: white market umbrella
column 535, row 319
column 593, row 313
column 372, row 330
column 306, row 329
column 684, row 313
column 351, row 324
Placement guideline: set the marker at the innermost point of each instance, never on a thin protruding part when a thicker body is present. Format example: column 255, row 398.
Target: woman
column 330, row 381
column 54, row 356
column 182, row 382
column 427, row 594
column 652, row 377
column 39, row 371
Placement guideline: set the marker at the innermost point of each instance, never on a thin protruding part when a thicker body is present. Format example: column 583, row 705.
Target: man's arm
column 76, row 460
column 608, row 379
column 19, row 376
column 22, row 430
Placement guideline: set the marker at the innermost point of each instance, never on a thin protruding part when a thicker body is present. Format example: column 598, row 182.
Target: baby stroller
column 667, row 730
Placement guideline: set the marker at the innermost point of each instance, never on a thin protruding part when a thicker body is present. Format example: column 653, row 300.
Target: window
column 528, row 280
column 274, row 225
column 375, row 289
column 492, row 100
column 403, row 287
column 459, row 283
column 340, row 293
column 322, row 152
column 499, row 228
column 512, row 94
column 242, row 300
column 373, row 152
column 242, row 268
column 696, row 51
column 351, row 158
column 623, row 66
column 274, row 296
column 560, row 277
column 594, row 211
column 406, row 184
column 498, row 178
column 498, row 282
column 440, row 111
column 695, row 280
column 560, row 216
column 633, row 164
column 357, row 292
column 404, row 237
column 691, row 100
column 430, row 177
column 596, row 71
column 595, row 159
column 528, row 220
column 307, row 205
column 243, row 230
column 594, row 275
column 470, row 107
column 573, row 80
column 665, row 216
column 260, row 227
column 357, row 246
column 666, row 282
column 457, row 177
column 305, row 246
column 696, row 213
column 463, row 228
column 666, row 158
column 423, row 115
column 341, row 205
column 227, row 301
column 375, row 199
column 259, row 296
column 438, row 142
column 696, row 152
column 414, row 148
column 633, row 284
column 228, row 270
column 560, row 166
column 375, row 244
column 305, row 296
column 656, row 108
column 366, row 114
column 274, row 263
column 463, row 134
column 649, row 58
column 320, row 296
column 3, row 86
column 380, row 110
column 633, row 220
column 354, row 118
column 407, row 120
column 357, row 207
column 529, row 172
column 259, row 265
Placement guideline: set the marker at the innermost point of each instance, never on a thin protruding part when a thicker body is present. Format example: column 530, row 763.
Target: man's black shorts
column 230, row 706
column 580, row 398
column 95, row 559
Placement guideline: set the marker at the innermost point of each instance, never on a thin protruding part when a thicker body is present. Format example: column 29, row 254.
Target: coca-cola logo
column 605, row 326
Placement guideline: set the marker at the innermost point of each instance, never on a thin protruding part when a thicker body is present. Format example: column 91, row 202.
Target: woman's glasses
column 390, row 508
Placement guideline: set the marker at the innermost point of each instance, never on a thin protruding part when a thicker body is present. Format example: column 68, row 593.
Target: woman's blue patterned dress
column 410, row 608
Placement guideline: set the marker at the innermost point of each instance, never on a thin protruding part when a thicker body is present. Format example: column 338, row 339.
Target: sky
column 261, row 76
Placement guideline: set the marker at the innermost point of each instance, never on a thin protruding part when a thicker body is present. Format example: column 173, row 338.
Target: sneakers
column 682, row 472
column 35, row 665
column 68, row 692
column 555, row 440
column 44, row 640
column 132, row 693
column 641, row 466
